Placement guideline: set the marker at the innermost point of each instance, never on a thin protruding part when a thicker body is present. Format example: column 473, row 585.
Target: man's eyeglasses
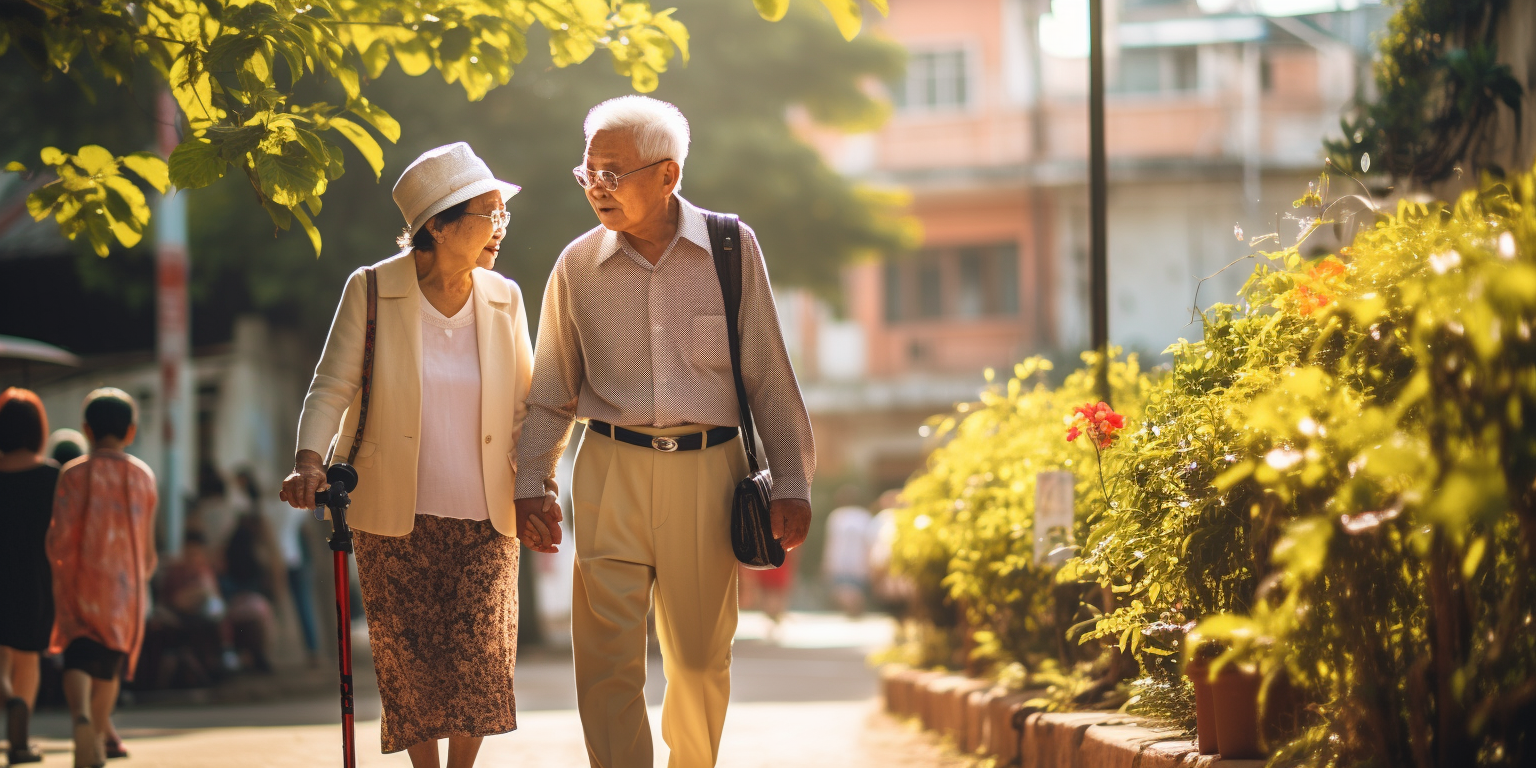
column 589, row 178
column 499, row 219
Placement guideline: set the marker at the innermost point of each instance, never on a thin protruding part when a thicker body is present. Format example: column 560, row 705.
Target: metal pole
column 173, row 338
column 1098, row 193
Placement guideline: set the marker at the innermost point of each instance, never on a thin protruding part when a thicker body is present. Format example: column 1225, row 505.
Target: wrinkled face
column 474, row 236
column 640, row 198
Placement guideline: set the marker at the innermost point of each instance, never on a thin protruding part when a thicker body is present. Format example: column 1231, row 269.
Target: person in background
column 845, row 561
column 27, row 482
column 772, row 587
column 250, row 581
column 191, row 604
column 215, row 509
column 66, row 445
column 293, row 562
column 101, row 545
column 893, row 592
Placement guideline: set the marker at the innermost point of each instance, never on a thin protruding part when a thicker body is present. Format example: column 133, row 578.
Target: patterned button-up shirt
column 636, row 344
column 102, row 548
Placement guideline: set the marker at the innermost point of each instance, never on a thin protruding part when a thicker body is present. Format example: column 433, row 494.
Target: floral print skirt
column 442, row 625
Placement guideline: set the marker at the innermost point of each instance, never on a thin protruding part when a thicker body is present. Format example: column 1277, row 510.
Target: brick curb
column 983, row 718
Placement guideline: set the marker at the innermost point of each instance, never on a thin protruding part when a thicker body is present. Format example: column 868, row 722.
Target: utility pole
column 1098, row 197
column 173, row 339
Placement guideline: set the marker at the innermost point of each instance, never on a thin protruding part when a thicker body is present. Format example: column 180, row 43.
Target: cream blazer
column 385, row 500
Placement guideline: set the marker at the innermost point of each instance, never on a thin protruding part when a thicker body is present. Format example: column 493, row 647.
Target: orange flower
column 1098, row 420
column 1318, row 286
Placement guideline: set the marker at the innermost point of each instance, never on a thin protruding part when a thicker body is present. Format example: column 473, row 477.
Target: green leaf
column 151, row 168
column 41, row 202
column 846, row 14
column 364, row 142
column 375, row 116
column 674, row 30
column 375, row 59
column 347, row 76
column 772, row 10
column 195, row 164
column 309, row 227
column 137, row 209
column 290, row 177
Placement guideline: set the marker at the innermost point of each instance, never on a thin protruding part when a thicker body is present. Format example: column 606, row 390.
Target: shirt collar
column 690, row 226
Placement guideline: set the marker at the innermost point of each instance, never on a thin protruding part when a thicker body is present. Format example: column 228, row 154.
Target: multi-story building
column 1216, row 112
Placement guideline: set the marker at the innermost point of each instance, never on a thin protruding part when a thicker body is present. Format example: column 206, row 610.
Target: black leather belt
column 689, row 442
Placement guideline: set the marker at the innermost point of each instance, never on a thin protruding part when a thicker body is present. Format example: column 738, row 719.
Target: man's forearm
column 545, row 434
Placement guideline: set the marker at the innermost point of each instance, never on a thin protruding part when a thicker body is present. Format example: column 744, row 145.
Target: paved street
column 807, row 699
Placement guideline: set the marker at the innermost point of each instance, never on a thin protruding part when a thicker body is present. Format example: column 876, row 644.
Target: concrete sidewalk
column 757, row 735
column 806, row 699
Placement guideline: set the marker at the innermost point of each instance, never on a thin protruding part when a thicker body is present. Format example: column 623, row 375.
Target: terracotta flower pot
column 1198, row 671
column 1236, row 695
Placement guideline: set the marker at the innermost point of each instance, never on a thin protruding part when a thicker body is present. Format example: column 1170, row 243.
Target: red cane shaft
column 344, row 645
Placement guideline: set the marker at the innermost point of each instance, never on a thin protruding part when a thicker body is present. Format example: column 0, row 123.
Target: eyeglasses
column 499, row 219
column 587, row 179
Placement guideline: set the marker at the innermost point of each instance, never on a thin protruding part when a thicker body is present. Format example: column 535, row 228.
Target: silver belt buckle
column 664, row 444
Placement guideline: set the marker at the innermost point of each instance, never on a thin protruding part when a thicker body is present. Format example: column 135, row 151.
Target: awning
column 18, row 348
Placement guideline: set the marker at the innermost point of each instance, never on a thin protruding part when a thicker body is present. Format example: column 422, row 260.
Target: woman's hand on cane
column 307, row 477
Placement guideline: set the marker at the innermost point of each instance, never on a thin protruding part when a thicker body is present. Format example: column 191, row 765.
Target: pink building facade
column 1215, row 121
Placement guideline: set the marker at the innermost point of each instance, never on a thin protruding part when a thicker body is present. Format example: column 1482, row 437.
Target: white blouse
column 449, row 479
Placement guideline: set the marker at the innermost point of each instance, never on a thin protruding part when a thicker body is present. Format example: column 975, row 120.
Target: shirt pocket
column 711, row 345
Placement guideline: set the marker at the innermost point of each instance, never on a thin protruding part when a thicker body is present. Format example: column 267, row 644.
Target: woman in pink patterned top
column 101, row 545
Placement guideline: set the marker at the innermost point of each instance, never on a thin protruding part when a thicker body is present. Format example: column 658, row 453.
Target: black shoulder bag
column 751, row 528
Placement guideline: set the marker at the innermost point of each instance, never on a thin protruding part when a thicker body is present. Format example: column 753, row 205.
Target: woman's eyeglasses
column 499, row 219
column 589, row 178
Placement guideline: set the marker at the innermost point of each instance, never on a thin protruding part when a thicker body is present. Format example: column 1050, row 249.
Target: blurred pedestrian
column 893, row 592
column 299, row 571
column 102, row 548
column 773, row 586
column 66, row 445
column 194, row 611
column 435, row 531
column 633, row 339
column 27, row 482
column 250, row 584
column 845, row 561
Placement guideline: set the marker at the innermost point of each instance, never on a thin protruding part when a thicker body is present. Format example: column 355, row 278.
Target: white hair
column 660, row 130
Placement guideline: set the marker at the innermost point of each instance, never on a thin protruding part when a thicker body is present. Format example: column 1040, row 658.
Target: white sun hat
column 442, row 178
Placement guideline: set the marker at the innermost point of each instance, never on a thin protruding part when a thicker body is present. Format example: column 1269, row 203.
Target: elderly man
column 632, row 339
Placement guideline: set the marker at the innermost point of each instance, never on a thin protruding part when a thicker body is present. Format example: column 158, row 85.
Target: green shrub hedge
column 1337, row 482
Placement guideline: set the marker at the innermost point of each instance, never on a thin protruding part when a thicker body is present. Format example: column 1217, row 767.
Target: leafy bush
column 967, row 525
column 1337, row 481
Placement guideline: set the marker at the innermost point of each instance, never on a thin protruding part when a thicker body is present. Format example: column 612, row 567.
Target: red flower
column 1098, row 420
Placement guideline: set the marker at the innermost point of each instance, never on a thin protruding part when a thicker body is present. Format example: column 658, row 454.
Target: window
column 1158, row 70
column 968, row 283
column 936, row 80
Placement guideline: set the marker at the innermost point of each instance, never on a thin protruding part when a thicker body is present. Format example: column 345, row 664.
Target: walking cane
column 343, row 480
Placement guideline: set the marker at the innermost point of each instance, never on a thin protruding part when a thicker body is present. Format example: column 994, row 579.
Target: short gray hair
column 660, row 130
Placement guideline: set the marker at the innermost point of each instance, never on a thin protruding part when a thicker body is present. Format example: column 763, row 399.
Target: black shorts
column 94, row 659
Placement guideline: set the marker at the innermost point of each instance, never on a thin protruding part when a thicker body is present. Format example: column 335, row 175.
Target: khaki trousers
column 648, row 521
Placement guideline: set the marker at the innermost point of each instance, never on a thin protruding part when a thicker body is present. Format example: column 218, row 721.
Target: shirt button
column 487, row 439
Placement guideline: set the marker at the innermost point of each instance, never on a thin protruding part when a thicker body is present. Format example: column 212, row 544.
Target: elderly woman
column 27, row 482
column 436, row 545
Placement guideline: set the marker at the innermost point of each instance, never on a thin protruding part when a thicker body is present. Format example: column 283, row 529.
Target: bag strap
column 368, row 338
column 724, row 241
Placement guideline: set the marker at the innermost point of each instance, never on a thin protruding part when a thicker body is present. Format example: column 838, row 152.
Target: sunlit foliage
column 236, row 67
column 1337, row 482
